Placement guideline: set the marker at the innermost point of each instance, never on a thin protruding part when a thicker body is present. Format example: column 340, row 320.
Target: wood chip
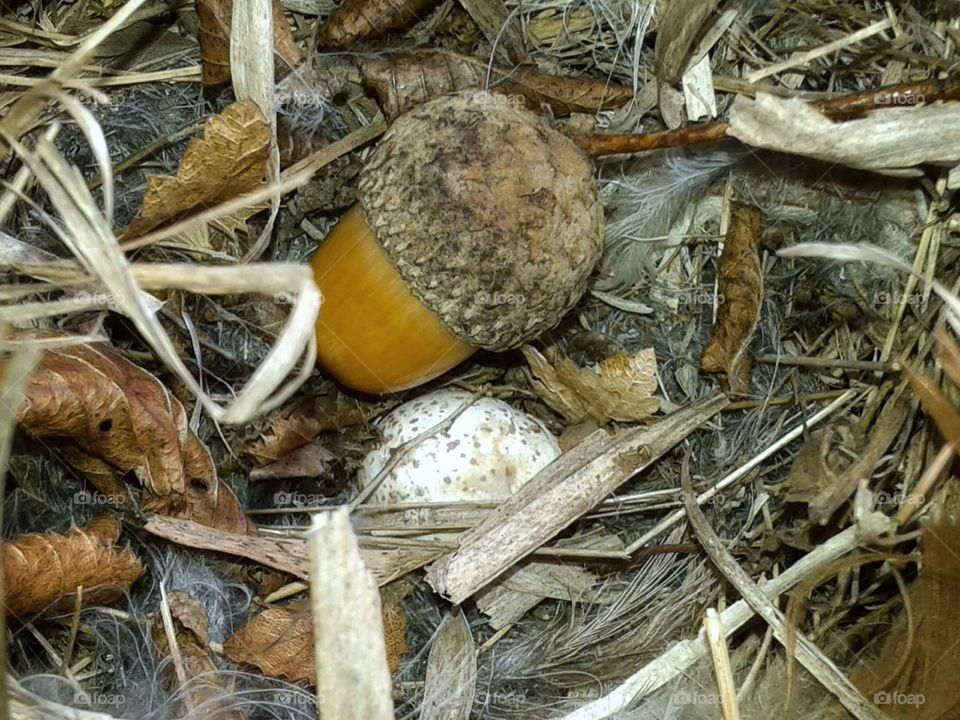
column 287, row 554
column 560, row 493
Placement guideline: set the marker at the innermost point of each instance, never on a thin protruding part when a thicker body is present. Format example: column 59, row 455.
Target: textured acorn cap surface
column 489, row 215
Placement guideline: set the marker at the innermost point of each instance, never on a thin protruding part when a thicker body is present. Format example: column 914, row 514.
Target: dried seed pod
column 478, row 226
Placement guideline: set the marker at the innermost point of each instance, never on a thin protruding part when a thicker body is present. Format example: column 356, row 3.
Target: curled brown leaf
column 740, row 289
column 42, row 571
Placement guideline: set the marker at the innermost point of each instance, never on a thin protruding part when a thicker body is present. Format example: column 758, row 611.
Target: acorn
column 477, row 227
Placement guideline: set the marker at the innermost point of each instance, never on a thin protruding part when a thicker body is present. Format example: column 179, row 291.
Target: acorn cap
column 489, row 215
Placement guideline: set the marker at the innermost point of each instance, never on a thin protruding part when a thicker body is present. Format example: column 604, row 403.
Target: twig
column 713, row 627
column 684, row 654
column 672, row 519
column 806, row 652
column 845, row 106
column 827, row 363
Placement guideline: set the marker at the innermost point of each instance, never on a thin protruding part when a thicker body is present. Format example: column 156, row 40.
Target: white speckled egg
column 486, row 455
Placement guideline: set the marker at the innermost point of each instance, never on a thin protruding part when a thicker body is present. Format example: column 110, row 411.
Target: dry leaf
column 300, row 423
column 229, row 160
column 740, row 293
column 936, row 405
column 620, row 388
column 279, row 641
column 920, row 677
column 110, row 418
column 214, row 34
column 451, row 678
column 356, row 20
column 822, row 460
column 309, row 461
column 207, row 689
column 403, row 80
column 947, row 353
column 42, row 571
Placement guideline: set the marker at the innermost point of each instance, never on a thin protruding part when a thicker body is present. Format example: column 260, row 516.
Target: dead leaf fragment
column 680, row 26
column 207, row 689
column 109, row 418
column 229, row 160
column 451, row 679
column 620, row 388
column 279, row 641
column 926, row 667
column 42, row 571
column 403, row 80
column 214, row 34
column 740, row 290
column 357, row 20
column 300, row 423
column 936, row 405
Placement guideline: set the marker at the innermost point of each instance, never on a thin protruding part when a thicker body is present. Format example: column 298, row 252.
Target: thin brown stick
column 843, row 107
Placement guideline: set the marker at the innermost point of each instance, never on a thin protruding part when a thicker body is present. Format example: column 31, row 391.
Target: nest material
column 501, row 246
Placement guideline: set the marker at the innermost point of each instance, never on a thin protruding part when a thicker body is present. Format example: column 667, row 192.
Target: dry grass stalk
column 353, row 677
column 723, row 672
column 806, row 652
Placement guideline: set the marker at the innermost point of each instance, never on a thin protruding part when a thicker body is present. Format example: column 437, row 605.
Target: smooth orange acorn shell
column 373, row 335
column 477, row 226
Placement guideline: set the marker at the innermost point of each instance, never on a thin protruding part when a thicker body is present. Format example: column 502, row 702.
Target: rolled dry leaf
column 42, row 571
column 403, row 80
column 279, row 641
column 740, row 293
column 356, row 20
